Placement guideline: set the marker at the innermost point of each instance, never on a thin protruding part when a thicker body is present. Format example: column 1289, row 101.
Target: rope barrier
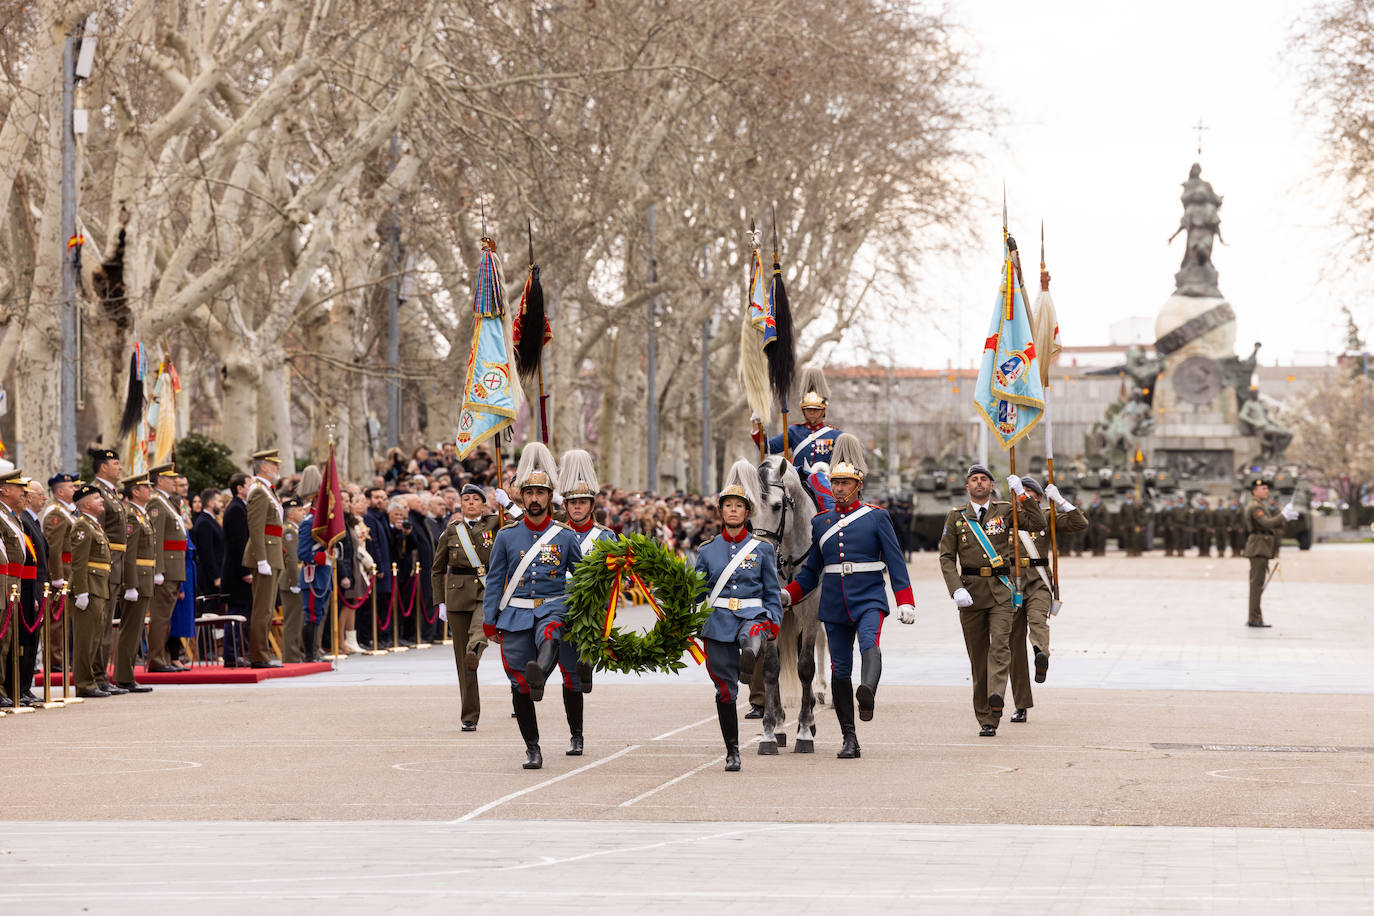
column 5, row 627
column 353, row 606
column 37, row 620
column 390, row 611
column 410, row 605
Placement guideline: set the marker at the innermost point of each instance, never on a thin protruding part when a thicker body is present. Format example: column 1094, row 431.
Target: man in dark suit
column 208, row 537
column 424, row 554
column 236, row 578
column 379, row 546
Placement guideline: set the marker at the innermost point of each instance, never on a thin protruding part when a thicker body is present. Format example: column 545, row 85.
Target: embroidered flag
column 1009, row 395
column 488, row 395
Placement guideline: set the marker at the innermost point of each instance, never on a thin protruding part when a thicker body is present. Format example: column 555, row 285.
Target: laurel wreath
column 607, row 574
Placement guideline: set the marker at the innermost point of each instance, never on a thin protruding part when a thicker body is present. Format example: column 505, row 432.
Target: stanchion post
column 335, row 648
column 48, row 701
column 395, row 619
column 376, row 643
column 419, row 608
column 16, row 624
column 69, row 697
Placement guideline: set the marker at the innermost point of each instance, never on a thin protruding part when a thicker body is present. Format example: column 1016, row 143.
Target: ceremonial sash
column 829, row 532
column 525, row 562
column 170, row 509
column 730, row 568
column 812, row 438
column 589, row 541
column 994, row 558
column 466, row 543
column 1029, row 543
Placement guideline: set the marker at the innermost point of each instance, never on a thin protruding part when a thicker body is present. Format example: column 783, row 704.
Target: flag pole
column 1049, row 435
column 1011, row 450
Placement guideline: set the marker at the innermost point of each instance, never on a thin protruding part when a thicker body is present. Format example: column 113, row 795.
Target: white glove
column 57, row 584
column 907, row 613
column 82, row 600
column 786, row 597
column 558, row 499
column 502, row 499
column 295, row 589
column 443, row 611
column 1058, row 498
column 962, row 598
column 264, row 568
column 1015, row 483
column 1288, row 512
column 157, row 579
column 130, row 594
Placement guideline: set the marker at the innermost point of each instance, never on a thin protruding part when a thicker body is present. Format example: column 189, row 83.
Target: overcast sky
column 1100, row 99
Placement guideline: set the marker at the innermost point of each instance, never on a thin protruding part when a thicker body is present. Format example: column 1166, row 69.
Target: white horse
column 784, row 520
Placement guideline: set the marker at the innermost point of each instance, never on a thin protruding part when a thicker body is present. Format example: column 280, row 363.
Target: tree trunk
column 242, row 374
column 274, row 411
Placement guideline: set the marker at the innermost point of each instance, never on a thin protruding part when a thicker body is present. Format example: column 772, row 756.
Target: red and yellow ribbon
column 624, row 564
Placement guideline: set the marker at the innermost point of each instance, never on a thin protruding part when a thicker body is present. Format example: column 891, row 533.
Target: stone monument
column 1208, row 420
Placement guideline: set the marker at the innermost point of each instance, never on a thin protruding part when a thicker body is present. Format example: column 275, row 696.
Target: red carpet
column 216, row 674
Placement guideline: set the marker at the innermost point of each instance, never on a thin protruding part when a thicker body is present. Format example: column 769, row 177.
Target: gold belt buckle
column 539, row 601
column 734, row 604
column 481, row 570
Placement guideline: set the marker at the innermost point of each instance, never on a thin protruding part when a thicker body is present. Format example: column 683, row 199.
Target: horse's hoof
column 804, row 746
column 768, row 748
column 782, row 740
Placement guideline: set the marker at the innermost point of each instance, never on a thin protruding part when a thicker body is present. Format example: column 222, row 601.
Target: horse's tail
column 788, row 682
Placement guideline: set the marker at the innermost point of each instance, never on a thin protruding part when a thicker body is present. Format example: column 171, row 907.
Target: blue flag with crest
column 488, row 405
column 1009, row 395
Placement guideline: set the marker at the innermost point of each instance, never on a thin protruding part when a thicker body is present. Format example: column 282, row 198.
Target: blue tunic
column 546, row 576
column 816, row 451
column 867, row 539
column 756, row 578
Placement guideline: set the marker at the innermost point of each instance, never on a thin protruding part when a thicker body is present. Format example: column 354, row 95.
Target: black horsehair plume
column 133, row 399
column 782, row 353
column 529, row 331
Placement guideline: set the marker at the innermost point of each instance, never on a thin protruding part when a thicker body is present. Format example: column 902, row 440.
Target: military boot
column 749, row 656
column 871, row 671
column 572, row 705
column 538, row 669
column 584, row 675
column 843, row 700
column 529, row 728
column 729, row 730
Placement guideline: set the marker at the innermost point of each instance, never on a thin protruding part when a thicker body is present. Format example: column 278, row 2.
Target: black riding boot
column 871, row 670
column 572, row 705
column 529, row 728
column 538, row 669
column 311, row 637
column 584, row 674
column 729, row 730
column 749, row 656
column 844, row 711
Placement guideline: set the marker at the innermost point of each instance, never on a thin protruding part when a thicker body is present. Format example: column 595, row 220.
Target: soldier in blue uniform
column 854, row 547
column 523, row 604
column 577, row 477
column 811, row 442
column 742, row 588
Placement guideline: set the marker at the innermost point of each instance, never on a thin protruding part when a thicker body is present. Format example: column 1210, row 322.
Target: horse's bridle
column 774, row 537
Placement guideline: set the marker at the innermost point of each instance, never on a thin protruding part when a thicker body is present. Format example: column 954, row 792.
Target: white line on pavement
column 477, row 812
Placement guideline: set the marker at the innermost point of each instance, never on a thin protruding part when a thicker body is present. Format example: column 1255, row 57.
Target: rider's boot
column 749, row 656
column 729, row 730
column 844, row 711
column 529, row 728
column 871, row 670
column 572, row 705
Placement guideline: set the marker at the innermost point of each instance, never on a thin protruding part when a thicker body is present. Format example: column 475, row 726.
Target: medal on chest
column 550, row 554
column 822, row 446
column 995, row 526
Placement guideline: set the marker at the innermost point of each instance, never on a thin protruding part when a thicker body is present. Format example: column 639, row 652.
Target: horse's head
column 773, row 482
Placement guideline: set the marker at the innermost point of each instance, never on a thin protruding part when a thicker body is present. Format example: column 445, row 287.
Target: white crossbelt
column 845, row 569
column 731, row 604
column 729, row 570
column 842, row 524
column 508, row 596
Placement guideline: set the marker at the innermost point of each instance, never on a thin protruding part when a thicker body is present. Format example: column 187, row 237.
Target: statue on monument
column 1202, row 222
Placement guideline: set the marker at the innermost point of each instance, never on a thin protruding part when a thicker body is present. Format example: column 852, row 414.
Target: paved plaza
column 1175, row 760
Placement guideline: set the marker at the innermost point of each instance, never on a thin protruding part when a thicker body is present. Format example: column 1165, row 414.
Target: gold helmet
column 815, row 391
column 847, row 459
column 741, row 481
column 577, row 475
column 536, row 468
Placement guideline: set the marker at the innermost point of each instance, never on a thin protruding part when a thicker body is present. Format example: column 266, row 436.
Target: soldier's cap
column 55, row 479
column 291, row 502
column 1033, row 485
column 86, row 489
column 136, row 480
column 471, row 489
column 100, row 455
column 1260, row 482
column 267, row 454
column 14, row 477
column 978, row 469
column 163, row 470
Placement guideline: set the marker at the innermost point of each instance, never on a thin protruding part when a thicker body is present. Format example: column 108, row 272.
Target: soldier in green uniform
column 1205, row 526
column 1033, row 617
column 1165, row 521
column 140, row 560
column 289, row 589
column 57, row 519
column 90, row 588
column 458, row 575
column 1235, row 526
column 108, row 470
column 263, row 553
column 1096, row 514
column 169, row 569
column 1263, row 528
column 975, row 559
column 20, row 563
column 1130, row 519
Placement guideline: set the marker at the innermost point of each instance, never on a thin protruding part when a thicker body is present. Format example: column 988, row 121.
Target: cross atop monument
column 1199, row 127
